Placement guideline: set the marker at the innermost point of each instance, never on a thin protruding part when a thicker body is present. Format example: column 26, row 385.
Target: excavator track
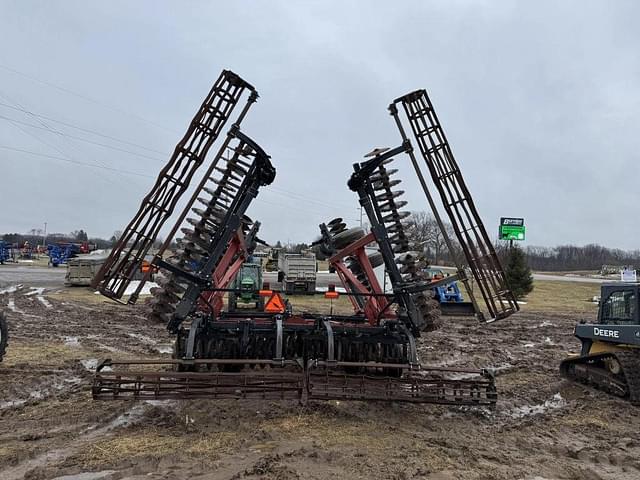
column 592, row 370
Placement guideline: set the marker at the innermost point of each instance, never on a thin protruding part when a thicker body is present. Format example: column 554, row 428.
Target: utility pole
column 44, row 237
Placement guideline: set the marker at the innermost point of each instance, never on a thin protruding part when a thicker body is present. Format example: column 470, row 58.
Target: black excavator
column 610, row 356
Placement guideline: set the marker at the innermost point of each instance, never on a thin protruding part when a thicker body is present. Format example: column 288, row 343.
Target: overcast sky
column 540, row 102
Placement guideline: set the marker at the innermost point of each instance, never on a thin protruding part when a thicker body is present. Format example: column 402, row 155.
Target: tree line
column 426, row 236
column 572, row 257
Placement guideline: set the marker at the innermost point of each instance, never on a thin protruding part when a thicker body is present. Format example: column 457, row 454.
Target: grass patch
column 38, row 353
column 318, row 304
column 562, row 297
column 154, row 444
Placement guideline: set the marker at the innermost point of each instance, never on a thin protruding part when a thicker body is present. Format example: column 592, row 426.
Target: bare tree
column 426, row 236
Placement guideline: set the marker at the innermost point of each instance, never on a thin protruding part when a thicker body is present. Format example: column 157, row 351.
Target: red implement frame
column 224, row 273
column 375, row 305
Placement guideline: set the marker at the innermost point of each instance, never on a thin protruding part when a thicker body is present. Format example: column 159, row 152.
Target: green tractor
column 249, row 281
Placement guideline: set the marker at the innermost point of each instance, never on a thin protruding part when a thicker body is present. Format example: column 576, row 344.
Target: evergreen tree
column 518, row 273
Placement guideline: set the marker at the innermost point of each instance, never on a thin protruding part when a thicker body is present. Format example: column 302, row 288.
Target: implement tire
column 4, row 335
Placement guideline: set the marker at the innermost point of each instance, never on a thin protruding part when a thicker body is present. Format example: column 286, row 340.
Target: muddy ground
column 542, row 427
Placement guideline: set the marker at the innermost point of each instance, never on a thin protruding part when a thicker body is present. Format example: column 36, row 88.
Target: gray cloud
column 539, row 101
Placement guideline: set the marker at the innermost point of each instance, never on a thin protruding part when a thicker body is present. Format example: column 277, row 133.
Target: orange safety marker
column 265, row 293
column 331, row 295
column 275, row 304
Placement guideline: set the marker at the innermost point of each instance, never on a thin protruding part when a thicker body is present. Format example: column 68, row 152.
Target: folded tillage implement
column 275, row 354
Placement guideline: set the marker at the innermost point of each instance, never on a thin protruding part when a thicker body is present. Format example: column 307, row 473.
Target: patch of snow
column 133, row 286
column 25, row 261
column 90, row 364
column 71, row 341
column 547, row 341
column 44, row 301
column 529, row 345
column 325, row 289
column 11, row 289
column 554, row 403
column 88, row 475
column 143, row 338
column 11, row 404
column 129, row 417
column 546, row 324
column 146, row 289
column 35, row 291
column 11, row 305
column 164, row 348
column 502, row 366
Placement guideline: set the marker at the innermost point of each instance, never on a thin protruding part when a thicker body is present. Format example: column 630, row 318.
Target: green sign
column 511, row 229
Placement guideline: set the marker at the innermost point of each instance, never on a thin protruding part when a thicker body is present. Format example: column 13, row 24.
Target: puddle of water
column 88, row 475
column 553, row 403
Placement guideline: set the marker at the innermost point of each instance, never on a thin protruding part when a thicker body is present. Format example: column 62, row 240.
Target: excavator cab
column 619, row 304
column 610, row 355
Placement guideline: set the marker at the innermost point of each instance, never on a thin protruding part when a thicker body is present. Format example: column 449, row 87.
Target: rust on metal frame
column 172, row 182
column 467, row 224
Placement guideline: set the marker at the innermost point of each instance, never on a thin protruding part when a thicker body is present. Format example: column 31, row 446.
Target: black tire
column 431, row 314
column 232, row 303
column 4, row 335
column 376, row 259
column 343, row 239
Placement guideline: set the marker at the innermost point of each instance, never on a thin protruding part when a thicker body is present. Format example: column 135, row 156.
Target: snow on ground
column 35, row 291
column 11, row 289
column 324, row 289
column 132, row 287
column 11, row 305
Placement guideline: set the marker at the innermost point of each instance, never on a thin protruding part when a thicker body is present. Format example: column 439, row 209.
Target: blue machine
column 6, row 252
column 59, row 254
column 448, row 294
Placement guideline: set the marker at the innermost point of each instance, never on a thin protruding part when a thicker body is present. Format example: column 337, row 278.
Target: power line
column 70, row 125
column 84, row 97
column 290, row 194
column 76, row 162
column 62, row 134
column 100, row 164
